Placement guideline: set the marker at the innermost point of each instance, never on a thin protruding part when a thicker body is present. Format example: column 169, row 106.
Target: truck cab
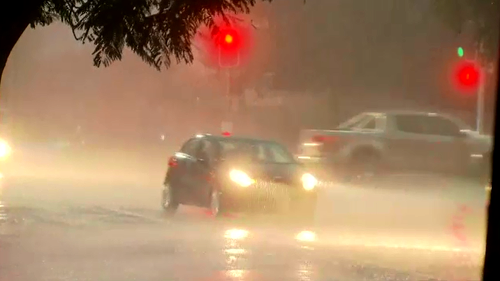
column 399, row 140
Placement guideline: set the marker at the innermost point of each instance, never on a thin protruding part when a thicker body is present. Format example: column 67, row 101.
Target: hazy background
column 330, row 60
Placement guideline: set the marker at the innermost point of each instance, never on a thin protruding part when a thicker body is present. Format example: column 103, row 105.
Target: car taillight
column 172, row 162
column 324, row 139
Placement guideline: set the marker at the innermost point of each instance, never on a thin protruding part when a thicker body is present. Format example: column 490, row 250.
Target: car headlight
column 309, row 182
column 5, row 149
column 241, row 178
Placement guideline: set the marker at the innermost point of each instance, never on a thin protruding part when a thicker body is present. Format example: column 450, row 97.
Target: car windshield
column 264, row 152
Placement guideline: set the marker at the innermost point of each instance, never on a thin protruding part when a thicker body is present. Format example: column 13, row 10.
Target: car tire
column 168, row 201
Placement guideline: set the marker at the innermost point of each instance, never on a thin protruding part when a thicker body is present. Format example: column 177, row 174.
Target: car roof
column 235, row 138
column 405, row 112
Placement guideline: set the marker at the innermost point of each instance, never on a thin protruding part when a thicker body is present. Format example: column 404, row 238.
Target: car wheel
column 168, row 200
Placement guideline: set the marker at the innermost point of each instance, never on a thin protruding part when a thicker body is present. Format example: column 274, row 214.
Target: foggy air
column 356, row 122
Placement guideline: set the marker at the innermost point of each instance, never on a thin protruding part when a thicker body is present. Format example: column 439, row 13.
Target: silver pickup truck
column 399, row 140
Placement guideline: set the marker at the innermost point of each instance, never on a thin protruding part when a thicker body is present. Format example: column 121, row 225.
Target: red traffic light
column 228, row 40
column 229, row 45
column 468, row 75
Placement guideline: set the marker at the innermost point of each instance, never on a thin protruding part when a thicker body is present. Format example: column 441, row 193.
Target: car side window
column 191, row 147
column 261, row 153
column 208, row 149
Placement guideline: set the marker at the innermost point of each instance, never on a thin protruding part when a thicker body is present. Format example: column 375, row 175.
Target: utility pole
column 481, row 87
column 229, row 58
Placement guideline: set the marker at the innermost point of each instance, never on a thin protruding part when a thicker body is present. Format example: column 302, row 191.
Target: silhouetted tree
column 484, row 14
column 155, row 30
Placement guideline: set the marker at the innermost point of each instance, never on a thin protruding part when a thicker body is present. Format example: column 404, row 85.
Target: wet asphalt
column 405, row 227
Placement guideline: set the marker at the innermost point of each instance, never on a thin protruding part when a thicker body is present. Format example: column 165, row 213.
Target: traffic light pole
column 480, row 101
column 227, row 124
column 480, row 89
column 228, row 92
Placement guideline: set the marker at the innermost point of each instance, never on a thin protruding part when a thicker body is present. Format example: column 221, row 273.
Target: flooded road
column 398, row 228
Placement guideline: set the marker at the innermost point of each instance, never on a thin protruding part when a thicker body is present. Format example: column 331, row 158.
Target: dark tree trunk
column 8, row 40
column 13, row 22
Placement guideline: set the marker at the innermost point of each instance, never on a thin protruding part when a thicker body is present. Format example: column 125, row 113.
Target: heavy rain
column 362, row 95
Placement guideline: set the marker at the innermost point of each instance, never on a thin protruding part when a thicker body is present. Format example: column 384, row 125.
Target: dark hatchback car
column 227, row 174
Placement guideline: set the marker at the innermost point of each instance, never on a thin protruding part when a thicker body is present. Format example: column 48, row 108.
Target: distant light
column 306, row 236
column 226, row 134
column 460, row 52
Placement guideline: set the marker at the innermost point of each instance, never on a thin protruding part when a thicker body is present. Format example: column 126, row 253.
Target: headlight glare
column 309, row 182
column 5, row 149
column 241, row 178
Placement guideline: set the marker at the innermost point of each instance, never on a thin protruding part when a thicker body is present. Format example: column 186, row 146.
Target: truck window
column 440, row 126
column 370, row 124
column 353, row 122
column 428, row 125
column 411, row 124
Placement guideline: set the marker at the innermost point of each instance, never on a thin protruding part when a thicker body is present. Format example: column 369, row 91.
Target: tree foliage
column 483, row 14
column 155, row 30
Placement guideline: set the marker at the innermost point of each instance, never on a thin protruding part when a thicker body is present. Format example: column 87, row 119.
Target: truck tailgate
column 327, row 143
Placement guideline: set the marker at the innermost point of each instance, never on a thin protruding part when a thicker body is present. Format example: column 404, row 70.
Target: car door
column 186, row 161
column 201, row 172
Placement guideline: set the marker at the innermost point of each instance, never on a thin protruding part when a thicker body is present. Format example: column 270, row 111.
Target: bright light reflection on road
column 306, row 236
column 236, row 234
column 236, row 274
column 235, row 251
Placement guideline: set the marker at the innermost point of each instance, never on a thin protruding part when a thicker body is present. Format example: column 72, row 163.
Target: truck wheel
column 365, row 163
